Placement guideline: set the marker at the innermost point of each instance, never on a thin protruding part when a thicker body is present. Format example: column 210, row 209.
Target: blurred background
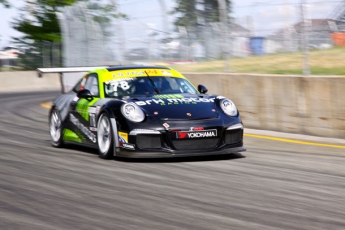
column 252, row 36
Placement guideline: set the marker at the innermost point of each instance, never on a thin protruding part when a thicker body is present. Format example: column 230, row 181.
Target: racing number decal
column 122, row 84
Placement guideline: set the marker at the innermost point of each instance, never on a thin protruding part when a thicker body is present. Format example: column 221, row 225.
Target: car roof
column 133, row 71
column 114, row 68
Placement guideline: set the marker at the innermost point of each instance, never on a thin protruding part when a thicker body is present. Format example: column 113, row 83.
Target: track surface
column 275, row 185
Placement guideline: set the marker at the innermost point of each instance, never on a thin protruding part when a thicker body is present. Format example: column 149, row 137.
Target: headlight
column 132, row 112
column 228, row 107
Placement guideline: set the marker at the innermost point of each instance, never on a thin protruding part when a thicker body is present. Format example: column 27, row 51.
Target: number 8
column 124, row 85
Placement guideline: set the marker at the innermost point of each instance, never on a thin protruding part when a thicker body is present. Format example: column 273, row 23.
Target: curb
column 294, row 136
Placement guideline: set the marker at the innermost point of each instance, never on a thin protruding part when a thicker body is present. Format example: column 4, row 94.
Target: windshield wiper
column 153, row 84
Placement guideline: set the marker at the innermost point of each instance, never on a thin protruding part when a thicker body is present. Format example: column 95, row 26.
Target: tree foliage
column 186, row 13
column 211, row 10
column 40, row 27
column 5, row 3
column 197, row 12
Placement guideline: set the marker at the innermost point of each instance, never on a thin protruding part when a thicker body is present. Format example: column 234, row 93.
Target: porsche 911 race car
column 145, row 111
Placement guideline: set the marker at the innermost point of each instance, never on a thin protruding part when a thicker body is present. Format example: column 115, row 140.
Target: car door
column 82, row 114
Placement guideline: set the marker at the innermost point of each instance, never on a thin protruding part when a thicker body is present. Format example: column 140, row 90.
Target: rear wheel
column 55, row 128
column 105, row 137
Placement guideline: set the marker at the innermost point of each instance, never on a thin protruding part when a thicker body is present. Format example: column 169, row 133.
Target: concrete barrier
column 313, row 105
column 27, row 81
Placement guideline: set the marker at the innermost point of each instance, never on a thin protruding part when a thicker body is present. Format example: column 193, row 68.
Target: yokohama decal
column 196, row 134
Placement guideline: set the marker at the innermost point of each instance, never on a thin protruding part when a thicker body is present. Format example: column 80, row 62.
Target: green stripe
column 69, row 135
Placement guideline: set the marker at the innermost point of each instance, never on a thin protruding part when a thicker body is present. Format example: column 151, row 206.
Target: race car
column 142, row 112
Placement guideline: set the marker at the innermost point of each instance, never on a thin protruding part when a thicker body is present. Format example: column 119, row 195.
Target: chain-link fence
column 83, row 40
column 299, row 36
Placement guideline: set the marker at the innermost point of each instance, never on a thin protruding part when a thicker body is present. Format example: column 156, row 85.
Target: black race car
column 145, row 111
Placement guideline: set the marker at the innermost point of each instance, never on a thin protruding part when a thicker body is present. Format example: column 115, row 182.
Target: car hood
column 178, row 107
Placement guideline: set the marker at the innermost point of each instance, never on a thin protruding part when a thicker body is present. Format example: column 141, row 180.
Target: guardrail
column 312, row 105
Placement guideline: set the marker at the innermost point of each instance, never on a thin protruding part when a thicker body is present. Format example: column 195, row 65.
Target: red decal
column 198, row 128
column 182, row 135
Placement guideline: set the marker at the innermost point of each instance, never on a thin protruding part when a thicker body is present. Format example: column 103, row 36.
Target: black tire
column 105, row 140
column 56, row 128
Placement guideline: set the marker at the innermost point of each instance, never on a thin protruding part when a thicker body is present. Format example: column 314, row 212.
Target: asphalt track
column 274, row 185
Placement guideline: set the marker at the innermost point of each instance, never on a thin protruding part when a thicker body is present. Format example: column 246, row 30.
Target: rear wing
column 69, row 76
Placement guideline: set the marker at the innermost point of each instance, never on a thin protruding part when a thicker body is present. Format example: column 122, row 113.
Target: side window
column 80, row 85
column 92, row 84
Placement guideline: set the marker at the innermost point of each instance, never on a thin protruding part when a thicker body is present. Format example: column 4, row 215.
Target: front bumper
column 162, row 154
column 215, row 140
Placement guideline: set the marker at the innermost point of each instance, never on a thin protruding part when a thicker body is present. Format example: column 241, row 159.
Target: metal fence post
column 305, row 39
column 223, row 16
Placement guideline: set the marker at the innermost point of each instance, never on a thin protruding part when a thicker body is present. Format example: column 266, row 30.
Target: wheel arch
column 114, row 126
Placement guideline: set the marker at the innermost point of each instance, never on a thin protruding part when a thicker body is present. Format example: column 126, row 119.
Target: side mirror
column 85, row 93
column 202, row 89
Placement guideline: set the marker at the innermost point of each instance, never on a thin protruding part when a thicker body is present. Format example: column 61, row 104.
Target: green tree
column 195, row 14
column 40, row 27
column 211, row 10
column 192, row 12
column 5, row 3
column 186, row 13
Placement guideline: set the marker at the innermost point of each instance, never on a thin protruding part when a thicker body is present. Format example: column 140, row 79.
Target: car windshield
column 146, row 86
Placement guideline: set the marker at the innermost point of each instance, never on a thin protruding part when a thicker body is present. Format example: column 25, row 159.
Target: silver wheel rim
column 103, row 135
column 55, row 127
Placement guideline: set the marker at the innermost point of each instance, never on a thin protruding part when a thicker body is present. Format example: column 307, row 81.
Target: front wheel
column 55, row 128
column 105, row 137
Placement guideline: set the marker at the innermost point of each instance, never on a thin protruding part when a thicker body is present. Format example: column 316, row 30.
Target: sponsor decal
column 93, row 129
column 123, row 137
column 148, row 102
column 127, row 146
column 98, row 108
column 166, row 126
column 128, row 73
column 151, row 71
column 82, row 128
column 168, row 96
column 196, row 128
column 165, row 72
column 175, row 101
column 92, row 117
column 117, row 80
column 92, row 110
column 220, row 97
column 196, row 134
